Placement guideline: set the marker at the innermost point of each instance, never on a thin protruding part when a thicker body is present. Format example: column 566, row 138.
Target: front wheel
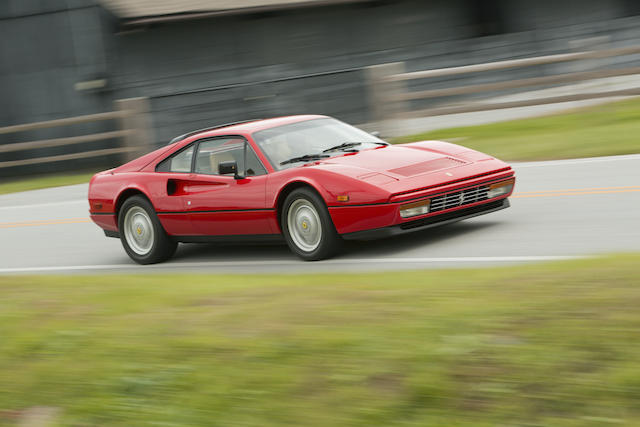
column 307, row 226
column 141, row 233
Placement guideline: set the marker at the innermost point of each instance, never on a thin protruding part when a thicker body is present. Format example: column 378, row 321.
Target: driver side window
column 215, row 151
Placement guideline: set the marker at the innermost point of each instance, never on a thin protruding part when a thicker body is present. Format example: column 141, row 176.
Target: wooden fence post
column 136, row 121
column 383, row 95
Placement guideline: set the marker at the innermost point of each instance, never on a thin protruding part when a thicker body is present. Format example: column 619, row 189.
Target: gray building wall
column 201, row 72
column 256, row 61
column 46, row 47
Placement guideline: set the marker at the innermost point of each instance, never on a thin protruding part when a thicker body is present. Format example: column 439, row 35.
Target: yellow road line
column 572, row 193
column 545, row 193
column 43, row 222
column 630, row 187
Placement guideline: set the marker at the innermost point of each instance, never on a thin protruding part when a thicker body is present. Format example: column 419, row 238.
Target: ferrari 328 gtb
column 310, row 179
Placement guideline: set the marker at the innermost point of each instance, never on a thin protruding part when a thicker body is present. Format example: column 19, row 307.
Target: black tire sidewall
column 329, row 239
column 162, row 247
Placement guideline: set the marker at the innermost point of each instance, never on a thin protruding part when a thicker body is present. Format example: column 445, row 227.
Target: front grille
column 459, row 198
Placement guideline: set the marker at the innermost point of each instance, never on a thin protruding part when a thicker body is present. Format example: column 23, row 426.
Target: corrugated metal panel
column 143, row 8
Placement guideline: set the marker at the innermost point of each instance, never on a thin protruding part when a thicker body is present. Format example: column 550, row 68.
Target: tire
column 141, row 233
column 307, row 226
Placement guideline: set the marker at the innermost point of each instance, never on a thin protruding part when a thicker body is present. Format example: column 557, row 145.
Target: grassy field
column 603, row 130
column 550, row 344
column 44, row 181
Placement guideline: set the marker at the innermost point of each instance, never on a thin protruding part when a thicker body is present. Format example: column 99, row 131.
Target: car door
column 169, row 204
column 227, row 205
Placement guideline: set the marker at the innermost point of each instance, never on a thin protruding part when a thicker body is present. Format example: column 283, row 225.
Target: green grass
column 604, row 130
column 550, row 344
column 43, row 181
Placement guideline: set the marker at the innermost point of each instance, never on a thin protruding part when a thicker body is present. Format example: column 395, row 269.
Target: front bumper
column 106, row 221
column 428, row 222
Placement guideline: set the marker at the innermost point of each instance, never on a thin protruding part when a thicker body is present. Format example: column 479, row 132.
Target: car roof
column 246, row 127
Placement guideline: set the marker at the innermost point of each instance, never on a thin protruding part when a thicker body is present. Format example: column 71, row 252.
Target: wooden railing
column 389, row 95
column 134, row 135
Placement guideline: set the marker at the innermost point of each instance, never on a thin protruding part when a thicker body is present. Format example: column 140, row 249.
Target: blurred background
column 91, row 83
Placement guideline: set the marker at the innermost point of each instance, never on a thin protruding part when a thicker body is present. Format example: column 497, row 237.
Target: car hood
column 400, row 168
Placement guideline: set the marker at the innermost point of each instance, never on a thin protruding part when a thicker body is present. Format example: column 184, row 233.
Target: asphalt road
column 561, row 209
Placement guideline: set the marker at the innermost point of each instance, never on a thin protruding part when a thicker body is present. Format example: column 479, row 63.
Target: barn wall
column 202, row 72
column 46, row 47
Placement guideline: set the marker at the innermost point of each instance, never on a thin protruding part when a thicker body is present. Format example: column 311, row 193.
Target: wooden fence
column 134, row 133
column 389, row 96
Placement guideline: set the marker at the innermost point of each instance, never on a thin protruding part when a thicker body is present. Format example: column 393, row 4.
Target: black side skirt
column 242, row 238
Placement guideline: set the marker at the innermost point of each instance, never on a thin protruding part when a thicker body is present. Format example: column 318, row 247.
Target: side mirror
column 375, row 133
column 228, row 168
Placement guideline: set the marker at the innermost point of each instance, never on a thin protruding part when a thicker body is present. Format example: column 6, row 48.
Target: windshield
column 305, row 140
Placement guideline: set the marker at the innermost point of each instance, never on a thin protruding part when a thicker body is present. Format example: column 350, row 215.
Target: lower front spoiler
column 110, row 233
column 424, row 223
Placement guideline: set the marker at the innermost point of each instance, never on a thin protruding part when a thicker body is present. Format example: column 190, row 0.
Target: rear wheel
column 307, row 226
column 141, row 233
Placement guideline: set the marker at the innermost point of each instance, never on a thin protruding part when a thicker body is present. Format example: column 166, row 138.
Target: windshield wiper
column 341, row 146
column 305, row 158
column 351, row 144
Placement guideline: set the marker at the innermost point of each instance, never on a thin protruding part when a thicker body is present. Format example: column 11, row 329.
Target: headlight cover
column 415, row 209
column 500, row 188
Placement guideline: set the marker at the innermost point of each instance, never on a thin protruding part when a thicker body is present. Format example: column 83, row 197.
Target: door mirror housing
column 228, row 168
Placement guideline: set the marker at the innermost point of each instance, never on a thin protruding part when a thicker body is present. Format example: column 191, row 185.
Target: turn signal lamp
column 500, row 188
column 343, row 198
column 415, row 209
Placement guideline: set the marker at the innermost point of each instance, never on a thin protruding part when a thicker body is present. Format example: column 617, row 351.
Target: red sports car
column 310, row 179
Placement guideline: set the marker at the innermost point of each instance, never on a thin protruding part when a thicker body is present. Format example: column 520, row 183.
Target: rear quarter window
column 180, row 162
